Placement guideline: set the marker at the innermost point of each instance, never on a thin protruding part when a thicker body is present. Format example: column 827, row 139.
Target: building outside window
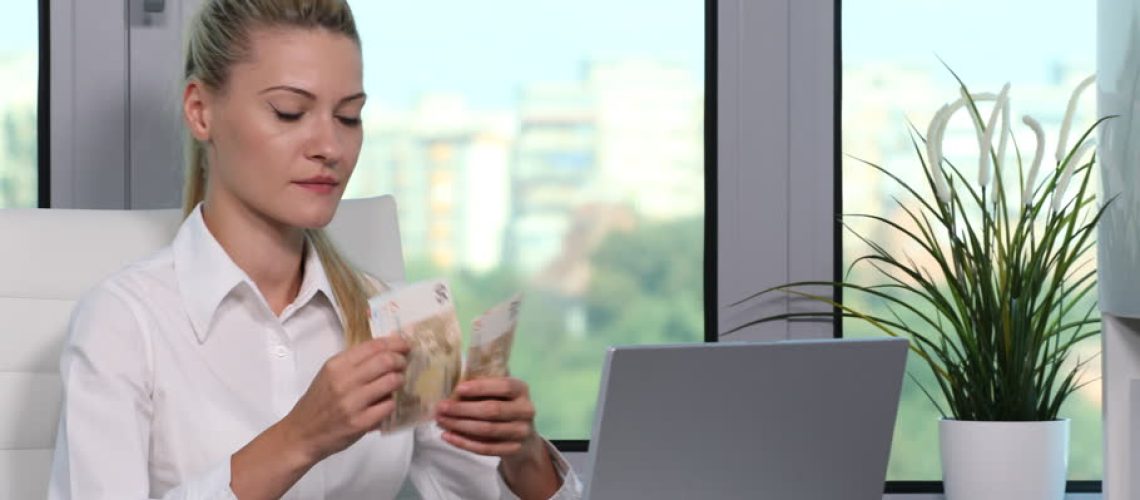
column 554, row 149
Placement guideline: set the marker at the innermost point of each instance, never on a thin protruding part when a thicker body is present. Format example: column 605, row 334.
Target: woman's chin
column 310, row 215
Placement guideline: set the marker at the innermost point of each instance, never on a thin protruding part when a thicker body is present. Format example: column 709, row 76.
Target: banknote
column 424, row 315
column 492, row 334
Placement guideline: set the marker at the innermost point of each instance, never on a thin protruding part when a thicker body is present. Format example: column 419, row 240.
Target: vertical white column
column 88, row 104
column 1118, row 89
column 1121, row 344
column 775, row 124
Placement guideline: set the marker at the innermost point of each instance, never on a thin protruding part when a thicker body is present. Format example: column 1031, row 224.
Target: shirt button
column 281, row 351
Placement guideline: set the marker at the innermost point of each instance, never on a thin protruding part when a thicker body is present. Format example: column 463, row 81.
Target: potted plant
column 994, row 312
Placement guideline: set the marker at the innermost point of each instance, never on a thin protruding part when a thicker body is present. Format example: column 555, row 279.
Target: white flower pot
column 1004, row 460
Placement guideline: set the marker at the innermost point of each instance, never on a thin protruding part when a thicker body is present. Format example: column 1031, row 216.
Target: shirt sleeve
column 102, row 445
column 441, row 471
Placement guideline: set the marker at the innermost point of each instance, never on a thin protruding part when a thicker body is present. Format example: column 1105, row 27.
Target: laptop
column 788, row 420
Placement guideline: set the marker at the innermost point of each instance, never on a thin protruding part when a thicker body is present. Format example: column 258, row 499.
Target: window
column 890, row 75
column 551, row 148
column 19, row 65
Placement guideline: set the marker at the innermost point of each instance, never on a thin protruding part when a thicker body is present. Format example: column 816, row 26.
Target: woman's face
column 284, row 133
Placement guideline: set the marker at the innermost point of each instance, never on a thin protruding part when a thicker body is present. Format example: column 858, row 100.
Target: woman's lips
column 317, row 187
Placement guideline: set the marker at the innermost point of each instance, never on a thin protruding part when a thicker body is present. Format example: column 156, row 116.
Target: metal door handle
column 154, row 6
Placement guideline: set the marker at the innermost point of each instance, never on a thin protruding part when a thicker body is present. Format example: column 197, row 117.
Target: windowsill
column 578, row 462
column 934, row 496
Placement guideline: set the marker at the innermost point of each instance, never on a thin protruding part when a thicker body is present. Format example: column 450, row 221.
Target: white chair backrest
column 49, row 258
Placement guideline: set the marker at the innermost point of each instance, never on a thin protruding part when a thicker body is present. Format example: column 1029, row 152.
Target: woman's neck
column 270, row 253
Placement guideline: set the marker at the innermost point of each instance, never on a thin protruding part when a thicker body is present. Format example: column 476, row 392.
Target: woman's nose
column 325, row 145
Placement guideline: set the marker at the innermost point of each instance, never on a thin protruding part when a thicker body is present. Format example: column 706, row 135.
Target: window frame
column 43, row 107
column 88, row 91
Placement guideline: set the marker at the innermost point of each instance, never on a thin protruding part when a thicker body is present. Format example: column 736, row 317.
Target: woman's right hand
column 351, row 395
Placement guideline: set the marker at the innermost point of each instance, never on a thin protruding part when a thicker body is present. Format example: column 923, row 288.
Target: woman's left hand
column 495, row 416
column 491, row 416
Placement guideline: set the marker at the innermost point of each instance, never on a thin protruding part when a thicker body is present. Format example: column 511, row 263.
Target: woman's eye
column 287, row 117
column 349, row 121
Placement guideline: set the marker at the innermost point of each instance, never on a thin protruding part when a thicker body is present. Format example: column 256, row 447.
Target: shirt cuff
column 571, row 487
column 213, row 485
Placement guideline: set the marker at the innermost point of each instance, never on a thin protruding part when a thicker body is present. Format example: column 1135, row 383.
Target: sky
column 19, row 28
column 985, row 41
column 492, row 45
column 487, row 48
column 484, row 48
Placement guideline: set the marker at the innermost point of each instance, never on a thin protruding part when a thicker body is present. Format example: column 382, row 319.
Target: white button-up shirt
column 177, row 362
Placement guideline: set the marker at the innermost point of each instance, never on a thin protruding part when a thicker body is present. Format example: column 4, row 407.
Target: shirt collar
column 207, row 275
column 315, row 280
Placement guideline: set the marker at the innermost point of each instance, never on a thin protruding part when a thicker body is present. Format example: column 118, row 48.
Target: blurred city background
column 551, row 148
column 19, row 66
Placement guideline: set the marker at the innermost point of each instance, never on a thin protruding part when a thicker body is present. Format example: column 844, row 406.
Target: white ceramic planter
column 1004, row 460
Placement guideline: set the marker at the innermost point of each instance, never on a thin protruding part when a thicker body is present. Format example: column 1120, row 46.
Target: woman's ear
column 196, row 110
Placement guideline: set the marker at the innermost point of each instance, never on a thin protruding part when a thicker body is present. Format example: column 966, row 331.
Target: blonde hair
column 218, row 38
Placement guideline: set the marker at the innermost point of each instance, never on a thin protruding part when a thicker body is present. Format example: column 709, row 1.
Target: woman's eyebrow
column 295, row 90
column 353, row 97
column 309, row 95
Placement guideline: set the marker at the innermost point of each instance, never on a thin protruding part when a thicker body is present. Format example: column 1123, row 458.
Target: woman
column 238, row 362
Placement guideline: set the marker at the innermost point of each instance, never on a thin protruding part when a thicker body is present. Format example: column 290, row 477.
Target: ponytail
column 350, row 289
column 194, row 185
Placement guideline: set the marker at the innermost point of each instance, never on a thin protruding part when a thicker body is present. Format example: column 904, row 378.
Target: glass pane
column 891, row 74
column 552, row 148
column 19, row 70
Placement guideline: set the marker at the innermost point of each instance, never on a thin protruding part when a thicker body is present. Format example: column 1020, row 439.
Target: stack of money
column 423, row 314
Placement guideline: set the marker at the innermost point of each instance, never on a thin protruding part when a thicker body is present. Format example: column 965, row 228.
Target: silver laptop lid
column 793, row 420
